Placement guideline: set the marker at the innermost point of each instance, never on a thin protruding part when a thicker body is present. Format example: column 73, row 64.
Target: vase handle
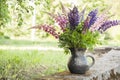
column 93, row 60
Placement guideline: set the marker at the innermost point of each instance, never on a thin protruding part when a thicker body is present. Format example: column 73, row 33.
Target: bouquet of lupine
column 77, row 32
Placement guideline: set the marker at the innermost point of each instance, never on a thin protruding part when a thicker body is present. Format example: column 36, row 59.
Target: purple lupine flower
column 93, row 17
column 62, row 21
column 74, row 18
column 108, row 24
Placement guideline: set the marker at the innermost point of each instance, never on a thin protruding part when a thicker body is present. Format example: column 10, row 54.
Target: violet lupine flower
column 62, row 22
column 108, row 24
column 74, row 18
column 93, row 17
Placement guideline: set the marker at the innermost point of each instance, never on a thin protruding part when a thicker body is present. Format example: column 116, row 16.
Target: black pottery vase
column 78, row 63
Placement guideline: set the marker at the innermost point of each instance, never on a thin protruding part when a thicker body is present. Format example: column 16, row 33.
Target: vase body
column 78, row 62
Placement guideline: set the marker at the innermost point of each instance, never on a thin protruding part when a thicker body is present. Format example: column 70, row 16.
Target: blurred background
column 17, row 16
column 28, row 53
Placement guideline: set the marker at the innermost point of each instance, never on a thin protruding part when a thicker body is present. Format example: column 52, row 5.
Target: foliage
column 77, row 40
column 12, row 69
column 4, row 12
column 18, row 6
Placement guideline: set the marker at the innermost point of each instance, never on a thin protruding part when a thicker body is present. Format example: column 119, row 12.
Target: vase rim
column 78, row 49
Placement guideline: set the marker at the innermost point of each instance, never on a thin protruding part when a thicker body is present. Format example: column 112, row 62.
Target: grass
column 17, row 43
column 25, row 65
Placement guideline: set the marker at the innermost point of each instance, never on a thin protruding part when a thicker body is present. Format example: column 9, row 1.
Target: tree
column 4, row 13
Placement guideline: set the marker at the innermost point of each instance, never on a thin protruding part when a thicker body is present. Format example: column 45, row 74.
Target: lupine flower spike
column 74, row 18
column 93, row 17
column 82, row 15
column 85, row 26
column 64, row 10
column 62, row 21
column 100, row 20
column 108, row 24
column 49, row 29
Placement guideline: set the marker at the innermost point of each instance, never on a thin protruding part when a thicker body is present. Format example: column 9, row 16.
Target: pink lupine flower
column 86, row 23
column 49, row 29
column 62, row 21
column 100, row 20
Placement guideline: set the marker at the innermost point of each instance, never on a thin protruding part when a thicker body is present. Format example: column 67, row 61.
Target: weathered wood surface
column 102, row 50
column 106, row 68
